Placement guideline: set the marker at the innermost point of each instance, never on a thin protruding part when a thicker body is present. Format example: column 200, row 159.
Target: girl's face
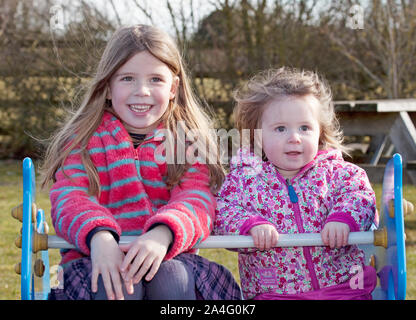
column 140, row 91
column 291, row 132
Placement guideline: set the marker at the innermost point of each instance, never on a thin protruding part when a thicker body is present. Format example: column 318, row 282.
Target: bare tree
column 385, row 48
column 41, row 69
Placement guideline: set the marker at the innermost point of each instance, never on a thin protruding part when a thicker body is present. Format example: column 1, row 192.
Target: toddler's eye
column 304, row 128
column 280, row 129
column 155, row 79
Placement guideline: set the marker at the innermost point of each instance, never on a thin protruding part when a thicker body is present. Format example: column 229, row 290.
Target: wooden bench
column 391, row 126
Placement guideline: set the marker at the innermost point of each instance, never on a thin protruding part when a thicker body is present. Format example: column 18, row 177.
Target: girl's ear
column 174, row 88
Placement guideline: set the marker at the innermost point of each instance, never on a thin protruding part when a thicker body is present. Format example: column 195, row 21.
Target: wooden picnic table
column 387, row 122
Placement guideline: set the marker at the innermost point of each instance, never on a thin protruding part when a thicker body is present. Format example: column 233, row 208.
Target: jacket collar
column 111, row 122
column 253, row 165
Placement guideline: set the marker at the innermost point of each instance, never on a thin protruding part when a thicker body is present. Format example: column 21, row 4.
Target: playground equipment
column 384, row 247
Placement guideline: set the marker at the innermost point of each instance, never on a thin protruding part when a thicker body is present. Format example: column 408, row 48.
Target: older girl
column 109, row 180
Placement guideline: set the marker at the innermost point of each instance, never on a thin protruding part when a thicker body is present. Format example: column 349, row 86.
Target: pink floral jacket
column 326, row 189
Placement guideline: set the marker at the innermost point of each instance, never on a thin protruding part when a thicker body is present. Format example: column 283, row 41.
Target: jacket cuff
column 344, row 218
column 179, row 239
column 98, row 229
column 252, row 222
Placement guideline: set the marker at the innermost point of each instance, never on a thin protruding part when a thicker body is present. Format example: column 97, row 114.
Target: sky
column 131, row 14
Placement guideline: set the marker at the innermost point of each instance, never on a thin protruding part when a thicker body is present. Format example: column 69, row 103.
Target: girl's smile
column 139, row 108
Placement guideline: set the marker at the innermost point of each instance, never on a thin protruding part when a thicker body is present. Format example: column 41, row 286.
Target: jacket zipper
column 306, row 250
column 137, row 162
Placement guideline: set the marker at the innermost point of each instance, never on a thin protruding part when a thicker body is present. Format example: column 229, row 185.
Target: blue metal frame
column 392, row 260
column 399, row 269
column 32, row 287
column 29, row 194
column 44, row 283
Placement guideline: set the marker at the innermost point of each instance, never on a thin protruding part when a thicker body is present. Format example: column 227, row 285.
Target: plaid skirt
column 212, row 281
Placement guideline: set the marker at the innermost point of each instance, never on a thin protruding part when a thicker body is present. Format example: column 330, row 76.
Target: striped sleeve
column 74, row 212
column 190, row 211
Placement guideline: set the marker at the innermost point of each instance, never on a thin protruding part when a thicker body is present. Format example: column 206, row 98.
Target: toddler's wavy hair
column 281, row 83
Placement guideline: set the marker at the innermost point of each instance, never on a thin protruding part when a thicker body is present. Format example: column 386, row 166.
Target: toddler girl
column 299, row 184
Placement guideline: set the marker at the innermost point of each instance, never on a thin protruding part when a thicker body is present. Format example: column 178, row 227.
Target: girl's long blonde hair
column 286, row 82
column 77, row 131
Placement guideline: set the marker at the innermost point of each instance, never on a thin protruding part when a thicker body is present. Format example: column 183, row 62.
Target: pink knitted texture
column 134, row 196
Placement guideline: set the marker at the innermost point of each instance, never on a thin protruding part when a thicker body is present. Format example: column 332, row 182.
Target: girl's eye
column 304, row 128
column 127, row 78
column 280, row 129
column 156, row 79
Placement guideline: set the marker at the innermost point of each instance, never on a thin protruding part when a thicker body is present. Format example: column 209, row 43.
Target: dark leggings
column 173, row 281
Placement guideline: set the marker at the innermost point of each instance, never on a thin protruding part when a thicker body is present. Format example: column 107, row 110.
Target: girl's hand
column 106, row 258
column 335, row 234
column 146, row 254
column 265, row 236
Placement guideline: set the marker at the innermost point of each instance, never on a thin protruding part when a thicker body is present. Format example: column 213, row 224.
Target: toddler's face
column 140, row 91
column 291, row 130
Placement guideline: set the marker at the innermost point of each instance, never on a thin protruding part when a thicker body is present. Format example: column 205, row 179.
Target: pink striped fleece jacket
column 134, row 196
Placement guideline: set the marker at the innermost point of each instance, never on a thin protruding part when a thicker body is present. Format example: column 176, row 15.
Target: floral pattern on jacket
column 326, row 189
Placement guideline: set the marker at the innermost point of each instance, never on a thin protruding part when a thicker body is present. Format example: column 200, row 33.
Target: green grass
column 11, row 195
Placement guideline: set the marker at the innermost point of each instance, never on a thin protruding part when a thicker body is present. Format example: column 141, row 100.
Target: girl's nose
column 142, row 89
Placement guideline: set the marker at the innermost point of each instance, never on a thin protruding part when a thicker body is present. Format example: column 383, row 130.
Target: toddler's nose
column 294, row 137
